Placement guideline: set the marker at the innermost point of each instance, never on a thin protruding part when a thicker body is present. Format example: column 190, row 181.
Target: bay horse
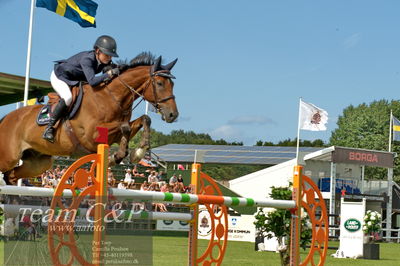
column 107, row 105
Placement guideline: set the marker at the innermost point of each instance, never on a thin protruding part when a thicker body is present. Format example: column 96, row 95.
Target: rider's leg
column 62, row 88
column 65, row 93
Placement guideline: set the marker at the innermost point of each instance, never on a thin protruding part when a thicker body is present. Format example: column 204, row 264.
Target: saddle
column 46, row 111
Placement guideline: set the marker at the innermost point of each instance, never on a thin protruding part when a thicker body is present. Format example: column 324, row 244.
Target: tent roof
column 12, row 88
column 228, row 154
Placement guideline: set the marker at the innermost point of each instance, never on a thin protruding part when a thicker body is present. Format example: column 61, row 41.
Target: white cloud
column 251, row 120
column 228, row 133
column 352, row 41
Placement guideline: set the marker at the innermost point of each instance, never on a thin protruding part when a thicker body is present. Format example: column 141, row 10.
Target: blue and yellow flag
column 80, row 11
column 396, row 129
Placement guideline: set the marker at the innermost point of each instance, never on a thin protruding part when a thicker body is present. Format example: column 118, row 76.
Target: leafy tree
column 229, row 171
column 366, row 126
column 179, row 137
column 293, row 143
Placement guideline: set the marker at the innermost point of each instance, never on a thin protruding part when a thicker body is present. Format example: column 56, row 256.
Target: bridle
column 156, row 103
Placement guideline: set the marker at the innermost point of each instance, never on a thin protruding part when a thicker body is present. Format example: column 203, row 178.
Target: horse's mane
column 142, row 59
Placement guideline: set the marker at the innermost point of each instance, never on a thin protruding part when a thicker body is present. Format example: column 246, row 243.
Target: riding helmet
column 107, row 45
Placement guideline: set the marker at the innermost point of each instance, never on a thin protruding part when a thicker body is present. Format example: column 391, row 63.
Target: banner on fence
column 351, row 233
column 169, row 225
column 240, row 228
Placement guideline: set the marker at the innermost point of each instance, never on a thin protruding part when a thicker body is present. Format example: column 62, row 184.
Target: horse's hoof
column 137, row 154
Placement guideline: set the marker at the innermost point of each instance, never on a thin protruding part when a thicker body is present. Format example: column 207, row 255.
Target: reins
column 156, row 103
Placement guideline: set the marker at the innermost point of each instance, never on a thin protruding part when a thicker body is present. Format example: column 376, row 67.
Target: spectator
column 110, row 177
column 9, row 228
column 161, row 176
column 164, row 188
column 136, row 173
column 57, row 170
column 121, row 185
column 180, row 179
column 180, row 187
column 45, row 179
column 152, row 177
column 160, row 206
column 49, row 184
column 144, row 186
column 128, row 178
column 56, row 181
column 146, row 161
column 29, row 227
column 173, row 180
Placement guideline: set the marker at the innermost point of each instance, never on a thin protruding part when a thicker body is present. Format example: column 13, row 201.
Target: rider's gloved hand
column 113, row 72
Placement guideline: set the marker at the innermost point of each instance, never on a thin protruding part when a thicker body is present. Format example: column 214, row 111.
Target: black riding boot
column 58, row 111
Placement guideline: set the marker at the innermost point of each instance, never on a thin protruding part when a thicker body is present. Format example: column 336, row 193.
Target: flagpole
column 28, row 56
column 298, row 134
column 390, row 131
column 147, row 108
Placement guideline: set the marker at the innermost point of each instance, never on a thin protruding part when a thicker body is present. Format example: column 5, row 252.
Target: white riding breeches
column 61, row 88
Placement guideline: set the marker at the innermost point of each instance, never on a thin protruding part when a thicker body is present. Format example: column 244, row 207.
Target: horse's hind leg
column 145, row 122
column 34, row 164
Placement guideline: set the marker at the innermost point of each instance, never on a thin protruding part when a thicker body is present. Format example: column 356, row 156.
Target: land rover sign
column 352, row 225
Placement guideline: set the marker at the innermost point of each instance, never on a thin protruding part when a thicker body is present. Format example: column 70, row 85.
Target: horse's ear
column 170, row 65
column 157, row 65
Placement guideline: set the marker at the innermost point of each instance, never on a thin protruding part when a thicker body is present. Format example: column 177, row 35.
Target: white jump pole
column 155, row 196
column 31, row 191
column 188, row 199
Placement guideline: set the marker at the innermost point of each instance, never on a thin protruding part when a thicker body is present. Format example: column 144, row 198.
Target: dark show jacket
column 80, row 67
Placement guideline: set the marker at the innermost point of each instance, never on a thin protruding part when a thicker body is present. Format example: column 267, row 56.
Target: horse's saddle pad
column 46, row 111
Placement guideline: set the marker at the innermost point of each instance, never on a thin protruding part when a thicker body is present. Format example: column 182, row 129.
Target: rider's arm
column 88, row 67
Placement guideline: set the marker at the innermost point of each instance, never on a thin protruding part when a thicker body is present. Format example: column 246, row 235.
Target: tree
column 293, row 143
column 366, row 126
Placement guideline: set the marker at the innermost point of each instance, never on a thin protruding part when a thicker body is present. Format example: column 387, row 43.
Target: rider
column 80, row 67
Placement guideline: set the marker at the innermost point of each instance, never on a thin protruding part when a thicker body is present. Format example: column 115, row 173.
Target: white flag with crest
column 312, row 117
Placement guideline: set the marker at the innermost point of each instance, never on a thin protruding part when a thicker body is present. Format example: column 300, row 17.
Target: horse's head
column 159, row 91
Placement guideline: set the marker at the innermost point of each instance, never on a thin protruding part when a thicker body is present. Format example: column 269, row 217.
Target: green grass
column 173, row 251
column 242, row 253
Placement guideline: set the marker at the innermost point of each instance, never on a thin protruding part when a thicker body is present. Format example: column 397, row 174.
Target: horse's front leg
column 138, row 153
column 123, row 149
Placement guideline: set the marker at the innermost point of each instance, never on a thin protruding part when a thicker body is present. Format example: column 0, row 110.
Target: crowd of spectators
column 51, row 178
column 144, row 177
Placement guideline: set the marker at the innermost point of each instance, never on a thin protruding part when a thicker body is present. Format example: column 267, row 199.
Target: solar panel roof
column 226, row 154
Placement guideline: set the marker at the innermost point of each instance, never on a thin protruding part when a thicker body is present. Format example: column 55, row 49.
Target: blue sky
column 242, row 64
